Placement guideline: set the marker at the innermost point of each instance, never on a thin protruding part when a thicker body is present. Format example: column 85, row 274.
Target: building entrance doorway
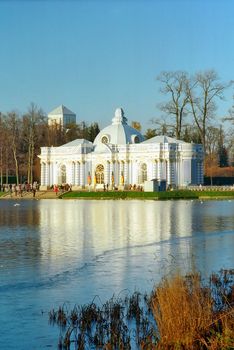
column 99, row 173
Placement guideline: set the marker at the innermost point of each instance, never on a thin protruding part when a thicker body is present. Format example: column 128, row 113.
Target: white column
column 121, row 171
column 126, row 172
column 181, row 172
column 134, row 173
column 77, row 173
column 107, row 173
column 178, row 180
column 173, row 182
column 117, row 171
column 176, row 171
column 154, row 174
column 53, row 177
column 73, row 174
column 82, row 173
column 159, row 170
column 111, row 171
column 168, row 172
column 47, row 174
column 163, row 170
column 51, row 173
column 42, row 174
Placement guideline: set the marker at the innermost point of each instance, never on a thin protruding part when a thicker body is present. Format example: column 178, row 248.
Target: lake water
column 56, row 251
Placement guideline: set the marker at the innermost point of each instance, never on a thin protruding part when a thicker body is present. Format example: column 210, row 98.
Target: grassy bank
column 181, row 313
column 181, row 194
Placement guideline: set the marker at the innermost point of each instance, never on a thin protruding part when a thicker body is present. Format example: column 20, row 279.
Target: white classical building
column 120, row 157
column 61, row 116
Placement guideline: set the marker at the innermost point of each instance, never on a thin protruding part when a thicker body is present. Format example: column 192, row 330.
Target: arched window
column 135, row 139
column 143, row 173
column 105, row 139
column 99, row 173
column 62, row 174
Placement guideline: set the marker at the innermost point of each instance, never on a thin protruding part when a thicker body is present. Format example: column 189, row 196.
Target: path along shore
column 29, row 195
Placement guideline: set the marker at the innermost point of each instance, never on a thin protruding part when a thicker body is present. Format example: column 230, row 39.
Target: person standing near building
column 56, row 189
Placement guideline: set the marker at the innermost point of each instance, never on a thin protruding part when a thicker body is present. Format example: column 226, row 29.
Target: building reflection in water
column 109, row 225
column 124, row 239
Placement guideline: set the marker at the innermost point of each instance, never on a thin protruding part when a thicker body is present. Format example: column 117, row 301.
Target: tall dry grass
column 186, row 319
column 180, row 314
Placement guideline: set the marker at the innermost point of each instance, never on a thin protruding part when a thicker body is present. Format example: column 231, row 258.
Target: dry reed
column 186, row 318
column 180, row 314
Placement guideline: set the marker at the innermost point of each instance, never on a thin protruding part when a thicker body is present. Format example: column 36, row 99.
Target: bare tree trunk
column 16, row 164
column 28, row 164
column 31, row 121
column 1, row 169
column 6, row 167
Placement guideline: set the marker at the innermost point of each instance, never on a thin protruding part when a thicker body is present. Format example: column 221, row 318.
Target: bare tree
column 5, row 155
column 230, row 116
column 190, row 134
column 174, row 85
column 150, row 133
column 203, row 90
column 163, row 127
column 13, row 130
column 31, row 122
column 212, row 140
column 2, row 143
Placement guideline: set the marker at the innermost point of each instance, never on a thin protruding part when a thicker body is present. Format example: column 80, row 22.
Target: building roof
column 76, row 143
column 163, row 139
column 61, row 110
column 119, row 132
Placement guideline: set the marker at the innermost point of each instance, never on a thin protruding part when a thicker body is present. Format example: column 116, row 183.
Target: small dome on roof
column 119, row 132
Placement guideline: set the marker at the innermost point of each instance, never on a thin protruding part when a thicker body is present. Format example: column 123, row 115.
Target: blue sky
column 95, row 56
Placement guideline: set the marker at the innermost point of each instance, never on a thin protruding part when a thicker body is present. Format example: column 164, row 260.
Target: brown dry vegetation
column 180, row 314
column 216, row 171
column 186, row 318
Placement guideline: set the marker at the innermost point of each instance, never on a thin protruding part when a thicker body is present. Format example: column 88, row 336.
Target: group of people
column 63, row 188
column 135, row 188
column 105, row 187
column 128, row 187
column 20, row 189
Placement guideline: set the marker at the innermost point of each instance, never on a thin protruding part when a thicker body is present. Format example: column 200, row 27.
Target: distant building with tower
column 61, row 116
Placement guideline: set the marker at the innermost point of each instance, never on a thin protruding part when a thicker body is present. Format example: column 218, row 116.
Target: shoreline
column 123, row 195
